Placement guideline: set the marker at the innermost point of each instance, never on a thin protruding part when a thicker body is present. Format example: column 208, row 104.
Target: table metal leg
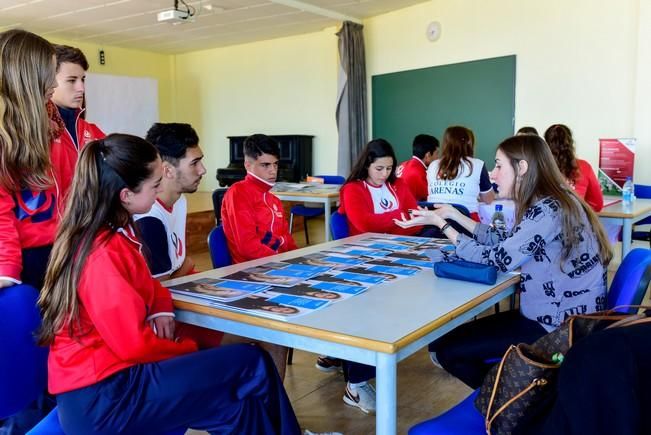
column 386, row 385
column 627, row 233
column 327, row 211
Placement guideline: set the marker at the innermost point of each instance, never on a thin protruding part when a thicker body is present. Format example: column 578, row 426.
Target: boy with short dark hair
column 163, row 228
column 414, row 170
column 253, row 217
column 254, row 221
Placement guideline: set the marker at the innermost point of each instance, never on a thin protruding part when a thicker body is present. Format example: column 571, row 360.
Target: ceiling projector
column 173, row 16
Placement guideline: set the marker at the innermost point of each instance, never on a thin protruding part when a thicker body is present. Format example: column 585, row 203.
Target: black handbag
column 522, row 386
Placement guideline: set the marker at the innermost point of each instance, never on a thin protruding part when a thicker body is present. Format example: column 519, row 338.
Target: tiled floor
column 423, row 389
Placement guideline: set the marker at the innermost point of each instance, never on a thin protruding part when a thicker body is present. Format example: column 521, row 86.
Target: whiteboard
column 122, row 104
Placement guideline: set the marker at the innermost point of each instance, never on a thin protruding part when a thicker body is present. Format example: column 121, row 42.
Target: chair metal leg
column 291, row 223
column 290, row 356
column 307, row 237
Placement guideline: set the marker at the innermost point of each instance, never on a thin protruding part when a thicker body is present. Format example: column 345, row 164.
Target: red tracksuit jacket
column 116, row 295
column 414, row 173
column 357, row 205
column 29, row 219
column 254, row 222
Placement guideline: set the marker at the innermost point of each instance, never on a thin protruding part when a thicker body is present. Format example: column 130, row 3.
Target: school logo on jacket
column 39, row 206
column 386, row 204
column 178, row 245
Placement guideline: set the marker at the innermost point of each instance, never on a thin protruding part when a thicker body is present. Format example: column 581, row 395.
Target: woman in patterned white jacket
column 557, row 243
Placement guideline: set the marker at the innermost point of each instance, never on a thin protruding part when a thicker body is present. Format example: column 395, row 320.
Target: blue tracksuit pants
column 227, row 390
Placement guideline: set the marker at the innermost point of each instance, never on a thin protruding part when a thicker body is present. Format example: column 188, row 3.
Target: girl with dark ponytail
column 110, row 368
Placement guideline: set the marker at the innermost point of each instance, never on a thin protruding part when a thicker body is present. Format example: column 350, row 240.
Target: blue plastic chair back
column 23, row 376
column 218, row 247
column 642, row 191
column 339, row 226
column 631, row 279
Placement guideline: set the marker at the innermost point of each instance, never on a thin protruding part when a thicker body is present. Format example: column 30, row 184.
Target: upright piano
column 295, row 159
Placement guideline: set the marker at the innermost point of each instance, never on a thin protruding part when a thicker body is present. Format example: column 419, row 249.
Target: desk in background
column 388, row 323
column 624, row 215
column 326, row 194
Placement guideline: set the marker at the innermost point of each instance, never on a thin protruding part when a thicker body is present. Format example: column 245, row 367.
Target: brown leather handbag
column 522, row 386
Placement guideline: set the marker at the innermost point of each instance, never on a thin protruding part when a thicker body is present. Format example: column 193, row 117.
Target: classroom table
column 625, row 215
column 386, row 324
column 326, row 194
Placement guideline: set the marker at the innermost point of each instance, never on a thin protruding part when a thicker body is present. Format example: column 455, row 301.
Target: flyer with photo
column 218, row 290
column 312, row 289
column 276, row 306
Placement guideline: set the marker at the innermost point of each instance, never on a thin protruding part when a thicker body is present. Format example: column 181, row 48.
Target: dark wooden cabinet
column 295, row 159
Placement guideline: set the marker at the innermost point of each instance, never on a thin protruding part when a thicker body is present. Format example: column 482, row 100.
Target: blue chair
column 339, row 226
column 218, row 247
column 23, row 376
column 310, row 212
column 631, row 280
column 462, row 419
column 642, row 191
column 628, row 288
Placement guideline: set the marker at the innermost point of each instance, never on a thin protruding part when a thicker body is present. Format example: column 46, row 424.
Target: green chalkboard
column 479, row 95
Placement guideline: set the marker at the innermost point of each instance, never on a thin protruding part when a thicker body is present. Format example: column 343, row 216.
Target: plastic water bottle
column 628, row 195
column 498, row 221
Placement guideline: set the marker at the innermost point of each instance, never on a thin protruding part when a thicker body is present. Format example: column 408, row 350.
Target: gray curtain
column 351, row 96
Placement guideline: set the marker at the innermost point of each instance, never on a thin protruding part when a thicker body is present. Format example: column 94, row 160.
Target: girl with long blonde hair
column 29, row 193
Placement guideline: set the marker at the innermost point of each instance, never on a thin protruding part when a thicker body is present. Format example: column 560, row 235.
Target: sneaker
column 362, row 396
column 328, row 364
column 435, row 360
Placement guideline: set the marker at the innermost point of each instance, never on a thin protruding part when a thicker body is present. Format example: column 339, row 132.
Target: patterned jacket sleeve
column 540, row 225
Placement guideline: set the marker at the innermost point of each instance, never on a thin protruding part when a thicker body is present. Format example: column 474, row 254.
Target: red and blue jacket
column 28, row 218
column 117, row 298
column 254, row 221
column 357, row 204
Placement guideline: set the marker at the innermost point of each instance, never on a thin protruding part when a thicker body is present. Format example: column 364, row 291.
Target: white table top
column 386, row 317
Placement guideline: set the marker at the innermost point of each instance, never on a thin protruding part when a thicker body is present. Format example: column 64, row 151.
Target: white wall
column 282, row 86
column 578, row 61
column 584, row 63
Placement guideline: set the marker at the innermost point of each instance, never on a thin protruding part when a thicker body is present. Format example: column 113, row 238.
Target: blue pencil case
column 466, row 271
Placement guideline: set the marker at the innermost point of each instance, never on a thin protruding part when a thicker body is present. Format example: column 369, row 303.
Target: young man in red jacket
column 253, row 218
column 69, row 99
column 414, row 170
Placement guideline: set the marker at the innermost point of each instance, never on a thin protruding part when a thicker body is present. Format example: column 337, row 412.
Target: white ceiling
column 133, row 23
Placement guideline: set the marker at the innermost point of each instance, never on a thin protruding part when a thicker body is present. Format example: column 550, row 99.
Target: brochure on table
column 301, row 285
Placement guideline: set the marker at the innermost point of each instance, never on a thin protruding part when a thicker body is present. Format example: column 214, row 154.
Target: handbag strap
column 535, row 383
column 630, row 321
column 498, row 375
